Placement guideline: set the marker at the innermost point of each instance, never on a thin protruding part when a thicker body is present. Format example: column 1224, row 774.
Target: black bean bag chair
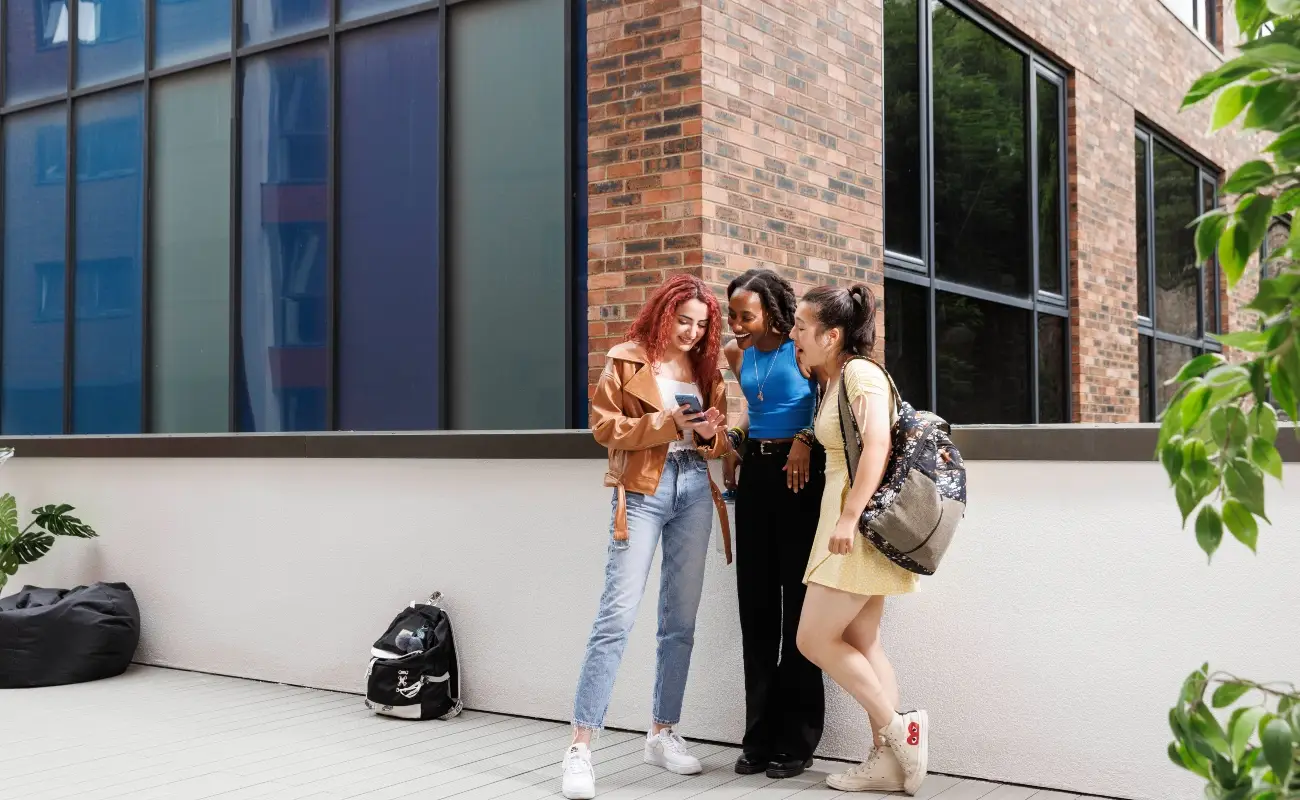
column 51, row 637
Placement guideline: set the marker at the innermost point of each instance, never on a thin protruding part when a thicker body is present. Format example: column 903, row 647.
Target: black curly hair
column 774, row 292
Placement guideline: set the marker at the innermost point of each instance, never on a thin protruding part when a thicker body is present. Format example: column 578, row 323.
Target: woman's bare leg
column 827, row 615
column 864, row 634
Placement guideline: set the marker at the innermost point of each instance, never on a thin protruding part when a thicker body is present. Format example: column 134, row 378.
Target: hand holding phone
column 688, row 412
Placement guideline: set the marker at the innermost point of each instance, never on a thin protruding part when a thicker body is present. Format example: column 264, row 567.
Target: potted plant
column 25, row 546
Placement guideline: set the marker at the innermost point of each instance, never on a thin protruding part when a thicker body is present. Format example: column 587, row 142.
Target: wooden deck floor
column 158, row 734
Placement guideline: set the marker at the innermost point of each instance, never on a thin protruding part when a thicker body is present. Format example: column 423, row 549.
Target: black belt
column 766, row 447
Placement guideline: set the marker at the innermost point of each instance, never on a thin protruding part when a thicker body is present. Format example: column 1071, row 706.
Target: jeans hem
column 587, row 726
column 658, row 721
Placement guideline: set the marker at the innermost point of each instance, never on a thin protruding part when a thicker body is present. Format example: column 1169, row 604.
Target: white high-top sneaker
column 668, row 750
column 909, row 737
column 881, row 772
column 579, row 775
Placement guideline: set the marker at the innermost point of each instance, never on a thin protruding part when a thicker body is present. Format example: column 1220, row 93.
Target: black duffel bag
column 51, row 637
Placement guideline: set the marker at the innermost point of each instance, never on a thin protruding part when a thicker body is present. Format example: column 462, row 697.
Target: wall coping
column 1070, row 442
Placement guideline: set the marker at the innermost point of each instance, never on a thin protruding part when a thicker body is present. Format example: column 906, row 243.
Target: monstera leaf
column 18, row 548
column 8, row 519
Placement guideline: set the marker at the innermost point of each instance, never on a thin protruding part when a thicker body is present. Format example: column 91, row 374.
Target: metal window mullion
column 1201, row 328
column 443, row 306
column 332, row 228
column 70, row 227
column 925, row 35
column 236, row 234
column 570, row 213
column 146, row 262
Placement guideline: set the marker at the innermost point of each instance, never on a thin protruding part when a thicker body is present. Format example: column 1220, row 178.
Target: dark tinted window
column 981, row 201
column 1053, row 371
column 1170, row 358
column 36, row 49
column 902, row 105
column 1049, row 186
column 185, row 30
column 1144, row 377
column 907, row 351
column 1177, row 273
column 1211, row 268
column 983, row 361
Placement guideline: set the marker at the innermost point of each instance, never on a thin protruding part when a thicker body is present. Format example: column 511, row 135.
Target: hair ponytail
column 852, row 310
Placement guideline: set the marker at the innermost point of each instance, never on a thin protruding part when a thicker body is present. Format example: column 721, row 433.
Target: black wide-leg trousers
column 784, row 697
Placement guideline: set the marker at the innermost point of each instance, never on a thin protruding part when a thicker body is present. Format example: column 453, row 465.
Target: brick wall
column 727, row 134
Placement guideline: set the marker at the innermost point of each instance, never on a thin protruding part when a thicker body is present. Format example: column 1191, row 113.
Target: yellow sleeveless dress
column 863, row 570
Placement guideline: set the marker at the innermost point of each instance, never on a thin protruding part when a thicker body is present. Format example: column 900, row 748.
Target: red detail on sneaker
column 913, row 734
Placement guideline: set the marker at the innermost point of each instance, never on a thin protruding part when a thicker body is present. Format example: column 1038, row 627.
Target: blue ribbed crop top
column 788, row 400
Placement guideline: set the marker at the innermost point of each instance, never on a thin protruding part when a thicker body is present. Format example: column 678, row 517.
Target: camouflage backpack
column 913, row 515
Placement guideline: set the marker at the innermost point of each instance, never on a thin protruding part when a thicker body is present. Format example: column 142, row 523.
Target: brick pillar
column 644, row 180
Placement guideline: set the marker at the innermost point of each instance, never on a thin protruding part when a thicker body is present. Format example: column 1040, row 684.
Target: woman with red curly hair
column 649, row 410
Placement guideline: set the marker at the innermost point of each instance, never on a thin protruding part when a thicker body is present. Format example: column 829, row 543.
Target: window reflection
column 1177, row 273
column 983, row 361
column 902, row 109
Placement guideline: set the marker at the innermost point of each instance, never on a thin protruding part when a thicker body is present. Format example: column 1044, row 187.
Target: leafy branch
column 18, row 548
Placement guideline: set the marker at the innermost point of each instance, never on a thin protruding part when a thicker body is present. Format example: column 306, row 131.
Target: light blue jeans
column 680, row 512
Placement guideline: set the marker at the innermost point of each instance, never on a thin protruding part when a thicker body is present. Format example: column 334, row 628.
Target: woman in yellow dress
column 847, row 577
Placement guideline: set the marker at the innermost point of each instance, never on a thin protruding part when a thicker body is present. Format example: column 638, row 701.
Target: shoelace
column 575, row 763
column 865, row 766
column 675, row 742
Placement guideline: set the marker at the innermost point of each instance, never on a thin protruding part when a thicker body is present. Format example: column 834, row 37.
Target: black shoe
column 786, row 767
column 750, row 765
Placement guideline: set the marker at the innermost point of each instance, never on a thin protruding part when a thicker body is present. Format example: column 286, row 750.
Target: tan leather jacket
column 627, row 417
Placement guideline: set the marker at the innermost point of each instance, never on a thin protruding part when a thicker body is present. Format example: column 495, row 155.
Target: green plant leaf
column 1230, row 104
column 1209, row 83
column 1259, row 380
column 1277, row 741
column 1171, row 420
column 1229, row 693
column 1272, row 106
column 1186, row 497
column 1241, row 729
column 1241, row 523
column 1255, row 212
column 1171, row 457
column 1238, row 430
column 1196, row 367
column 1194, row 406
column 30, row 547
column 1287, row 146
column 1207, row 727
column 1289, row 199
column 1248, row 12
column 57, row 521
column 1265, row 456
column 1283, row 388
column 1250, row 341
column 1249, row 176
column 1219, row 426
column 8, row 519
column 1209, row 530
column 1274, row 52
column 1284, row 8
column 1245, row 484
column 1234, row 251
column 1196, row 461
column 1208, row 232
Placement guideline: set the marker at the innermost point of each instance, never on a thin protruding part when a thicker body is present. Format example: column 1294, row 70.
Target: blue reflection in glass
column 36, row 49
column 389, row 325
column 109, row 203
column 356, row 9
column 31, row 364
column 110, row 40
column 285, row 140
column 265, row 20
column 185, row 30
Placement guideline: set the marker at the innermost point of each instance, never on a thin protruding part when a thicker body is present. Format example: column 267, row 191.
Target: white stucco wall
column 1047, row 651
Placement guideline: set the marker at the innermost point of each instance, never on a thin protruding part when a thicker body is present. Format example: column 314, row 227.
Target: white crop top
column 668, row 390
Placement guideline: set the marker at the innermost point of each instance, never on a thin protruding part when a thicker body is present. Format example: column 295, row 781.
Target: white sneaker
column 579, row 775
column 881, row 772
column 909, row 737
column 668, row 750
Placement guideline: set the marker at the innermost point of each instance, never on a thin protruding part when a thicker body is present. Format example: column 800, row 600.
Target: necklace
column 770, row 364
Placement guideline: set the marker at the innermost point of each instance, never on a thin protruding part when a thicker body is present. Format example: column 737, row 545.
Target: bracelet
column 737, row 436
column 805, row 436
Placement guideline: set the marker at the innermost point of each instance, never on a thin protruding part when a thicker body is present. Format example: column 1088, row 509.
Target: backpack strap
column 849, row 423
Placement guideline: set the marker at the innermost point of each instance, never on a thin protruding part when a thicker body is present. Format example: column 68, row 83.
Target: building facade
column 307, row 215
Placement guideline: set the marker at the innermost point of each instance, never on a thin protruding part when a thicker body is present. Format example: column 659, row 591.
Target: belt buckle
column 762, row 448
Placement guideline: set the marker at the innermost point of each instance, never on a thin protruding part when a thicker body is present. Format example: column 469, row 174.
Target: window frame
column 922, row 271
column 235, row 55
column 1148, row 327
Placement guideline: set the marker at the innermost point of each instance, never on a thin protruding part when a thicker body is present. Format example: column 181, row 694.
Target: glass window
column 389, row 320
column 189, row 279
column 36, row 49
column 1170, row 358
column 507, row 215
column 274, row 19
column 285, row 140
column 1144, row 378
column 1053, row 370
column 186, row 30
column 903, row 133
column 31, row 366
column 110, row 40
column 1049, row 186
column 907, row 340
column 981, row 168
column 1177, row 273
column 107, row 332
column 983, row 361
column 1143, row 223
column 356, row 9
column 1209, row 193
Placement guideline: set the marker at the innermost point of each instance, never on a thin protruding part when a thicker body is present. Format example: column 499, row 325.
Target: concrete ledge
column 977, row 443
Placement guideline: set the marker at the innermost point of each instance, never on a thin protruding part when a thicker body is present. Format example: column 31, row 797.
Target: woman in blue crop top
column 778, row 500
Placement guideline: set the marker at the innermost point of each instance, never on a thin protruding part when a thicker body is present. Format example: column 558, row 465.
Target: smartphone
column 692, row 404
